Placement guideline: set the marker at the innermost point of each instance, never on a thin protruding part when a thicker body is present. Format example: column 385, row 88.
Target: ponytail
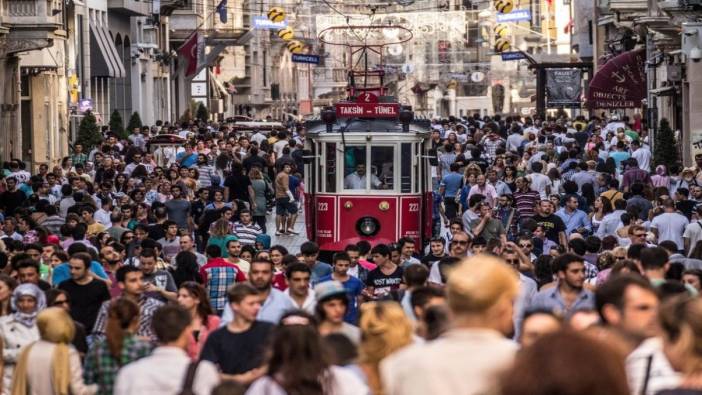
column 121, row 314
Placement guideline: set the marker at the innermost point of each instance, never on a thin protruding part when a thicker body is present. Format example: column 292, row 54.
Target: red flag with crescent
column 192, row 53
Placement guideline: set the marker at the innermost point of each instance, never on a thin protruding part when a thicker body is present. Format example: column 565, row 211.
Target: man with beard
column 553, row 224
column 569, row 295
column 628, row 306
column 274, row 302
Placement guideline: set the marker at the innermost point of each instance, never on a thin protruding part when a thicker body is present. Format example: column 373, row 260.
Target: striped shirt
column 525, row 202
column 147, row 308
column 247, row 233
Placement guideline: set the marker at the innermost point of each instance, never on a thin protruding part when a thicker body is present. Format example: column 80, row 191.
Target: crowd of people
column 560, row 263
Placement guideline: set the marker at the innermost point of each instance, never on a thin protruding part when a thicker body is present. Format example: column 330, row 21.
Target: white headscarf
column 28, row 319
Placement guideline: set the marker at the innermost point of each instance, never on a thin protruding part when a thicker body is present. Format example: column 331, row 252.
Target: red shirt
column 279, row 281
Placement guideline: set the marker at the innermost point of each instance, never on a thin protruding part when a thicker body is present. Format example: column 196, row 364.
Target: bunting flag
column 192, row 53
column 222, row 11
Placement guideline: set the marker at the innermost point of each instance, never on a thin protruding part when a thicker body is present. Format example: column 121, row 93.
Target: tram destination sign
column 371, row 110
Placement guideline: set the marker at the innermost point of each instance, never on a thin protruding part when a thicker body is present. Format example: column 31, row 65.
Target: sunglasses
column 640, row 235
column 512, row 260
column 525, row 245
column 461, row 242
column 60, row 303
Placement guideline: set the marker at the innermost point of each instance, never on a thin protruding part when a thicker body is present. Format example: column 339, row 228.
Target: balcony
column 130, row 7
column 32, row 24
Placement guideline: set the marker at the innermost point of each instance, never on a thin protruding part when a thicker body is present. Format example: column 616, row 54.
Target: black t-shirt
column 553, row 225
column 254, row 160
column 86, row 300
column 11, row 200
column 156, row 231
column 237, row 353
column 686, row 207
column 238, row 185
column 382, row 283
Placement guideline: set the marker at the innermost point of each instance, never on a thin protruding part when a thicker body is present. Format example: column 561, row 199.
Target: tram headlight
column 367, row 226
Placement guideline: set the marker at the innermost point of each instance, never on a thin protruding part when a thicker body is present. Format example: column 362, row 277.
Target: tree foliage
column 117, row 124
column 665, row 150
column 134, row 122
column 88, row 132
column 202, row 113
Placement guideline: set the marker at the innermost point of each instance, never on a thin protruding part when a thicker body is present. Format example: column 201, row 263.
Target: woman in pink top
column 193, row 297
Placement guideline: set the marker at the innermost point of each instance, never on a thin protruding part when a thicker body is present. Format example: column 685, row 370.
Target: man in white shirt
column 539, row 182
column 297, row 276
column 642, row 155
column 258, row 137
column 693, row 232
column 163, row 372
column 670, row 225
column 280, row 144
column 465, row 359
column 357, row 179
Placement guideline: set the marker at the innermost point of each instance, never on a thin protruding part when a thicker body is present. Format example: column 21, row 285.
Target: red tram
column 369, row 178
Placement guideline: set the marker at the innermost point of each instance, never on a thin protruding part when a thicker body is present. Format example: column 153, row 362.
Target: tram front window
column 382, row 162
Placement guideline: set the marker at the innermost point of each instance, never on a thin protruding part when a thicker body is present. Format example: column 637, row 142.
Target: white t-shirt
column 539, row 182
column 345, row 382
column 278, row 147
column 693, row 231
column 671, row 226
column 643, row 157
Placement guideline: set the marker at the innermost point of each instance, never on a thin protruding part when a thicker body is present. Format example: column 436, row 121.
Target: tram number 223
column 323, row 206
column 413, row 207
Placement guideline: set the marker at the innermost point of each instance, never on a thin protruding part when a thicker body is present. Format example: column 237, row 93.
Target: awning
column 104, row 58
column 620, row 83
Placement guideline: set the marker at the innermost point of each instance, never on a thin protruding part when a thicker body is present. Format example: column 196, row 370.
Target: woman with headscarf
column 661, row 178
column 61, row 372
column 19, row 329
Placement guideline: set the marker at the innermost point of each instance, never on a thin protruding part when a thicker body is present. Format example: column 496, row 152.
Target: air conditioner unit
column 674, row 72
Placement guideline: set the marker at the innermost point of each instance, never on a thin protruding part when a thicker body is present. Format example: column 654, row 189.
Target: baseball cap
column 328, row 289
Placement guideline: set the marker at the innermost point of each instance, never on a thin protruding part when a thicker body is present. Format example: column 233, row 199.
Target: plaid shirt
column 218, row 275
column 101, row 368
column 591, row 271
column 147, row 307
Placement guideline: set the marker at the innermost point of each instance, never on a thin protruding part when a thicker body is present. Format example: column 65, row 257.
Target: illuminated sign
column 370, row 110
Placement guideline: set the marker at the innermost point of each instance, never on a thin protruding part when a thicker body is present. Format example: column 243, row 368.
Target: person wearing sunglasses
column 60, row 298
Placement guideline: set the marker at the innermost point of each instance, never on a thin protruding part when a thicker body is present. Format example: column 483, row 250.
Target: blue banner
column 310, row 59
column 518, row 55
column 261, row 22
column 514, row 16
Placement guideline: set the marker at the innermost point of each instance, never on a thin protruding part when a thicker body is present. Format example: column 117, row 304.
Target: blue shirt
column 452, row 183
column 354, row 287
column 276, row 304
column 62, row 272
column 551, row 299
column 320, row 270
column 618, row 157
column 573, row 221
column 187, row 162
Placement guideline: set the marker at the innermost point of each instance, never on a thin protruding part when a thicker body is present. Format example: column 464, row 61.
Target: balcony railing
column 42, row 14
column 130, row 7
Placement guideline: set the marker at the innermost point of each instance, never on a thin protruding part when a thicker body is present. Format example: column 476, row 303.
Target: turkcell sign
column 299, row 58
column 374, row 110
column 517, row 55
column 514, row 16
column 261, row 22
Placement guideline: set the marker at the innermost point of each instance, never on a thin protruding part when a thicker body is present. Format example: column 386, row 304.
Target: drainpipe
column 86, row 51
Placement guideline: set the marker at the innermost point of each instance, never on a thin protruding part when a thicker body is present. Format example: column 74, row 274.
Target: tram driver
column 357, row 179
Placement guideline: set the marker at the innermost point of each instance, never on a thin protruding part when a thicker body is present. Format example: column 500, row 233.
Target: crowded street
column 351, row 198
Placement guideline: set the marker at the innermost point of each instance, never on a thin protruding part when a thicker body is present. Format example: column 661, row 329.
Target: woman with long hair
column 510, row 178
column 385, row 329
column 193, row 297
column 7, row 285
column 20, row 328
column 185, row 268
column 602, row 207
column 552, row 365
column 259, row 187
column 220, row 235
column 119, row 347
column 60, row 371
column 681, row 321
column 298, row 364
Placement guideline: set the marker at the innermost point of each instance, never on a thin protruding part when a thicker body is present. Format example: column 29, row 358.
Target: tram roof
column 364, row 125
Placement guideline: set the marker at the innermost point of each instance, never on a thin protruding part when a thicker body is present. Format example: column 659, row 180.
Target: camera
column 695, row 54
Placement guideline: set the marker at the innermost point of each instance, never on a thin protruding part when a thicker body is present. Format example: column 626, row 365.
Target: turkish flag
column 188, row 52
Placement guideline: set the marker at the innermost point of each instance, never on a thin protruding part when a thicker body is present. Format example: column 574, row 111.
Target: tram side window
column 355, row 167
column 330, row 165
column 382, row 167
column 406, row 168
